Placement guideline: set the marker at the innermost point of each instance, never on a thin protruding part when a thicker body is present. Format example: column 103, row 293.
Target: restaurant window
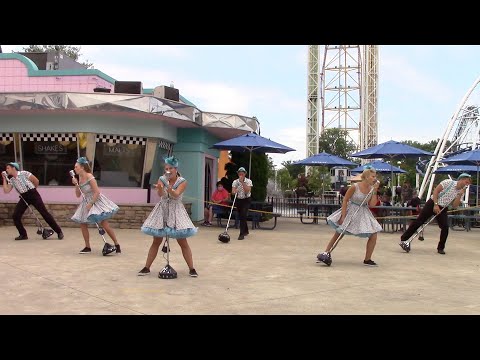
column 163, row 150
column 7, row 149
column 50, row 156
column 119, row 160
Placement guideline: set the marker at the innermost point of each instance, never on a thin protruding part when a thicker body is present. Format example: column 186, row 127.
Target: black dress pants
column 243, row 205
column 32, row 197
column 425, row 214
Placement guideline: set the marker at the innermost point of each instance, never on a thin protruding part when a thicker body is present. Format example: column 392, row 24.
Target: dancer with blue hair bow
column 95, row 208
column 169, row 217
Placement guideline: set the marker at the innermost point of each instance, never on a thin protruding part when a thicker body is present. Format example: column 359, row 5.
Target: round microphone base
column 108, row 249
column 167, row 273
column 46, row 233
column 224, row 237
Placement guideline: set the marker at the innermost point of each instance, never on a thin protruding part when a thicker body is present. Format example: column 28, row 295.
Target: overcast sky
column 420, row 87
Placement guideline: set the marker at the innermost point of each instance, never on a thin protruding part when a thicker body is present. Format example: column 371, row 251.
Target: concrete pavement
column 270, row 272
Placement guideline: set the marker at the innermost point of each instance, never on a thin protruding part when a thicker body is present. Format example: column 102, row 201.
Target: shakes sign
column 49, row 148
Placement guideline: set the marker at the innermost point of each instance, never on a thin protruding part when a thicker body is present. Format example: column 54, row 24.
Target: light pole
column 334, row 150
column 398, row 176
column 275, row 179
column 417, row 176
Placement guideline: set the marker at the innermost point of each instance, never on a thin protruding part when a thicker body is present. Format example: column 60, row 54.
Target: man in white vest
column 26, row 184
column 448, row 192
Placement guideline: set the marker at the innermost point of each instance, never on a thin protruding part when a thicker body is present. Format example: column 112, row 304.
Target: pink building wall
column 14, row 78
column 59, row 194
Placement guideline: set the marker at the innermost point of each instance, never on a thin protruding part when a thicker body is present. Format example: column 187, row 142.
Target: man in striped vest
column 26, row 184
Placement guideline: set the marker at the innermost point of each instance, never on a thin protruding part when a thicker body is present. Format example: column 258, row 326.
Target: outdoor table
column 464, row 219
column 314, row 209
column 393, row 224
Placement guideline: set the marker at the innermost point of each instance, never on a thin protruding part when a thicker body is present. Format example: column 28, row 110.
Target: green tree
column 319, row 179
column 429, row 146
column 284, row 180
column 335, row 141
column 69, row 50
column 230, row 175
column 409, row 165
column 271, row 168
column 293, row 170
column 259, row 175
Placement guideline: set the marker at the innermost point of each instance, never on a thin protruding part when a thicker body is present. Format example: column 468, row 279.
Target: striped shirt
column 449, row 192
column 21, row 182
column 240, row 193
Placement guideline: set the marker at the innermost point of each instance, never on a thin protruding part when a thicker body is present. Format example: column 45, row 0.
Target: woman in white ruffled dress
column 97, row 208
column 169, row 217
column 356, row 216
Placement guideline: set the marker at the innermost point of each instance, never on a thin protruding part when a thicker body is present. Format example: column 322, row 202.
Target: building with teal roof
column 49, row 116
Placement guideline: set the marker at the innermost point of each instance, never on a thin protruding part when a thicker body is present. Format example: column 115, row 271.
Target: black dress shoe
column 22, row 237
column 60, row 235
column 440, row 251
column 241, row 237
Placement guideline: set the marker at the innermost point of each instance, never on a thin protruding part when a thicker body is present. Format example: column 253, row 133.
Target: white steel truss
column 340, row 81
column 466, row 135
column 312, row 100
column 346, row 89
column 369, row 98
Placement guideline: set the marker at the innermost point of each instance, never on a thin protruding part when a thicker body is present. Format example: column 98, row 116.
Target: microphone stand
column 167, row 272
column 41, row 230
column 107, row 248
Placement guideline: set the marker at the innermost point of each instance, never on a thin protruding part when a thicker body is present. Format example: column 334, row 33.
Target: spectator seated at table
column 414, row 202
column 220, row 196
column 386, row 200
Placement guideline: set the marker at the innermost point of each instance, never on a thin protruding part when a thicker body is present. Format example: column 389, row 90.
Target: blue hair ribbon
column 82, row 160
column 172, row 160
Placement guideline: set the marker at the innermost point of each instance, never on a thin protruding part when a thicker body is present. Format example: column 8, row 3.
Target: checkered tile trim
column 120, row 139
column 6, row 137
column 49, row 137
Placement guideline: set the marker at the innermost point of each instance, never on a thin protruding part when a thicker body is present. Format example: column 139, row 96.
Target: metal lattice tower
column 466, row 136
column 467, row 132
column 312, row 101
column 369, row 96
column 348, row 90
column 340, row 80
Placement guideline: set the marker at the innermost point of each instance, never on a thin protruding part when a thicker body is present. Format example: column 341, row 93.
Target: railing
column 289, row 207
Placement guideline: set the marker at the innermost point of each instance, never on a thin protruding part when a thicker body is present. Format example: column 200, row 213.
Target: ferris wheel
column 462, row 134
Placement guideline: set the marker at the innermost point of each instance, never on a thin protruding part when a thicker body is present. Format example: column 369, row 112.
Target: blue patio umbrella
column 381, row 167
column 391, row 150
column 456, row 169
column 325, row 159
column 466, row 158
column 252, row 142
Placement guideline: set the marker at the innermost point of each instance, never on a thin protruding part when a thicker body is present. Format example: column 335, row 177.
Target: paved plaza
column 270, row 272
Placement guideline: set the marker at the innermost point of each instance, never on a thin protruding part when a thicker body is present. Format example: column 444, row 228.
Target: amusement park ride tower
column 462, row 134
column 342, row 93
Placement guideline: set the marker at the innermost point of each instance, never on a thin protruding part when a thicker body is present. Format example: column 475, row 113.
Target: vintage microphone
column 167, row 272
column 107, row 248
